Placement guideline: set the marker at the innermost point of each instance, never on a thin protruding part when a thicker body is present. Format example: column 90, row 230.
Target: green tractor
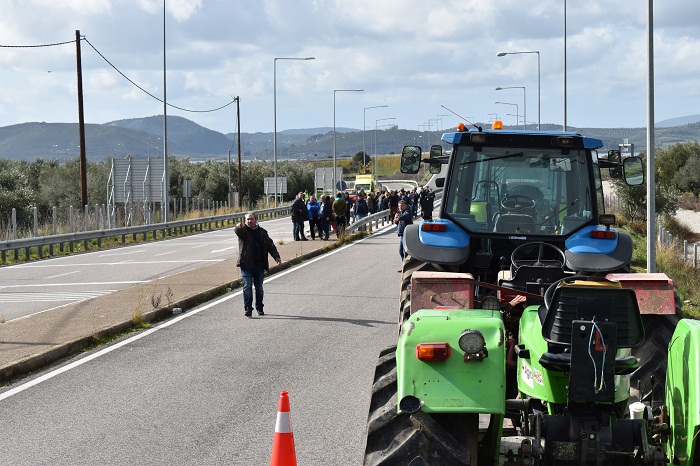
column 523, row 337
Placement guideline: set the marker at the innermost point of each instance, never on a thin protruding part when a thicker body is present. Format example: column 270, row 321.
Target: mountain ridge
column 142, row 137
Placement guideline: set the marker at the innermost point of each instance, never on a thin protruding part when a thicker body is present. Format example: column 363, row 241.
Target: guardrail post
column 36, row 222
column 695, row 256
column 53, row 211
column 86, row 218
column 685, row 250
column 71, row 221
column 14, row 223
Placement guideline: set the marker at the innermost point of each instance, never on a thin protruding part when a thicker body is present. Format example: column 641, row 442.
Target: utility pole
column 238, row 120
column 81, row 126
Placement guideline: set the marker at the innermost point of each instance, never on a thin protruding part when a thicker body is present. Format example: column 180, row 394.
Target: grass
column 669, row 261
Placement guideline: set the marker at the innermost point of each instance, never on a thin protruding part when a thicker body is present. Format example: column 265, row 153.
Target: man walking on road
column 254, row 244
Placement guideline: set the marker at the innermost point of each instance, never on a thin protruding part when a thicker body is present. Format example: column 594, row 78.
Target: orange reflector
column 603, row 234
column 433, row 351
column 425, row 226
column 497, row 124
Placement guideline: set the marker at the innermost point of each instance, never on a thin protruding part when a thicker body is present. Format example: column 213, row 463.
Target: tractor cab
column 505, row 188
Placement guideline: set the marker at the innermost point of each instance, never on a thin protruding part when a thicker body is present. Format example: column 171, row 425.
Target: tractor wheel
column 653, row 354
column 413, row 439
column 411, row 265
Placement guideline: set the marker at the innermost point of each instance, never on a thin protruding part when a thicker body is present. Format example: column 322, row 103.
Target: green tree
column 15, row 192
column 633, row 199
column 670, row 166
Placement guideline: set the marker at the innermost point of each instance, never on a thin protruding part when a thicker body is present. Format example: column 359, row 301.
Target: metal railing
column 45, row 244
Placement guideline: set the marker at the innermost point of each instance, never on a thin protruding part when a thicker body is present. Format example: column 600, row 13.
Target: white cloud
column 413, row 55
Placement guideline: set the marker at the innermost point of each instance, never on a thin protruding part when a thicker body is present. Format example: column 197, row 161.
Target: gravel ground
column 690, row 219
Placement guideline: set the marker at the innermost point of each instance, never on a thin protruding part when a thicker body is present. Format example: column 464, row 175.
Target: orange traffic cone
column 283, row 453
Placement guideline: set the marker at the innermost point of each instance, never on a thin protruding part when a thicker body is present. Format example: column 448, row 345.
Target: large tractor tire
column 653, row 355
column 418, row 439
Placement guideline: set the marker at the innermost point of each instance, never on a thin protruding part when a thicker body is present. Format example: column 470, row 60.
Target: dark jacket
column 405, row 218
column 299, row 213
column 248, row 254
column 327, row 210
column 361, row 207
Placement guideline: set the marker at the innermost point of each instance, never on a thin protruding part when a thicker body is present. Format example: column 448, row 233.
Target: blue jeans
column 401, row 251
column 253, row 277
column 298, row 230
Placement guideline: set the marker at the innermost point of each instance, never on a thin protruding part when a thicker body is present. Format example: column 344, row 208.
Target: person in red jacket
column 254, row 244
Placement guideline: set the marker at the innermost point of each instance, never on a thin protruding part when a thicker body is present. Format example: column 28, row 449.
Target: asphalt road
column 30, row 288
column 203, row 388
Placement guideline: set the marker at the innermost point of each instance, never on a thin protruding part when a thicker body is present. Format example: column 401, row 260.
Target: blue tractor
column 523, row 337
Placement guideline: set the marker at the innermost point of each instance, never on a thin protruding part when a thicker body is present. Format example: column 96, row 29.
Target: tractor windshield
column 518, row 191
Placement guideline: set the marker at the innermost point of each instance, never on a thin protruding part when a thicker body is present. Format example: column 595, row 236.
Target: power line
column 35, row 46
column 120, row 72
column 148, row 93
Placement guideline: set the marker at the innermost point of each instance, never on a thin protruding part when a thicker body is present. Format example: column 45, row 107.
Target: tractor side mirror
column 410, row 159
column 633, row 171
column 435, row 152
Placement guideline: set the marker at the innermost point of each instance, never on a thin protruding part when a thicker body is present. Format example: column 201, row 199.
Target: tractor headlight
column 472, row 342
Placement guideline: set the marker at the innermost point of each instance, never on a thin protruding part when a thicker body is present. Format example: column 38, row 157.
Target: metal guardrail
column 370, row 221
column 383, row 217
column 44, row 243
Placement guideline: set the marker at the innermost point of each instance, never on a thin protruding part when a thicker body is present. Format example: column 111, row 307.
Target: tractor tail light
column 602, row 234
column 439, row 227
column 433, row 351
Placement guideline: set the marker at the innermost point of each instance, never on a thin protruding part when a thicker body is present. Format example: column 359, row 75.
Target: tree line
column 47, row 183
column 676, row 174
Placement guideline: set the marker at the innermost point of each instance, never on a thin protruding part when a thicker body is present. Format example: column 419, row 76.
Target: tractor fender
column 585, row 253
column 450, row 246
column 458, row 384
column 683, row 392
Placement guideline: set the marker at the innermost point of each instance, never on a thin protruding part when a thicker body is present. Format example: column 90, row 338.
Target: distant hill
column 142, row 137
column 680, row 121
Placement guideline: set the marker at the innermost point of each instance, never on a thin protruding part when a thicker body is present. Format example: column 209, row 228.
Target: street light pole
column 517, row 113
column 524, row 102
column 364, row 116
column 335, row 91
column 274, row 136
column 376, row 152
column 539, row 82
column 166, row 175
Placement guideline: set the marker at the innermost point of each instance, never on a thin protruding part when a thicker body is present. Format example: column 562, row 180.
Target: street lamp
column 517, row 113
column 335, row 91
column 524, row 102
column 274, row 137
column 376, row 153
column 440, row 118
column 364, row 115
column 539, row 80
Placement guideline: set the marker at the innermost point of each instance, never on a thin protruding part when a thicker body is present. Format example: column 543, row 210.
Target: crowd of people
column 326, row 214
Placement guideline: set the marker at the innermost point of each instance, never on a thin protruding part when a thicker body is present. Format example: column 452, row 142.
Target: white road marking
column 49, row 375
column 49, row 297
column 129, row 262
column 222, row 250
column 63, row 285
column 63, row 274
column 119, row 252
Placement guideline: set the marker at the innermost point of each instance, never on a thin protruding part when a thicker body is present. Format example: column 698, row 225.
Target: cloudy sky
column 412, row 55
